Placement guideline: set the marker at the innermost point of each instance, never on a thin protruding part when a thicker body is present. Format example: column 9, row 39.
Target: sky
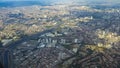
column 69, row 1
column 64, row 0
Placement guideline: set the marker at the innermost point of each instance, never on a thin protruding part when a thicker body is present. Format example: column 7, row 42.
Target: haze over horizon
column 68, row 0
